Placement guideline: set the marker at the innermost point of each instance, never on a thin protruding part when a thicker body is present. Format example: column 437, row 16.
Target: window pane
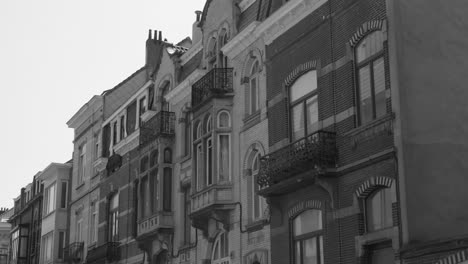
column 298, row 252
column 61, row 244
column 63, row 196
column 303, row 85
column 379, row 87
column 308, row 221
column 223, row 119
column 167, row 190
column 154, row 189
column 312, row 114
column 379, row 210
column 253, row 95
column 199, row 166
column 224, row 157
column 382, row 256
column 370, row 45
column 310, row 251
column 256, row 200
column 365, row 97
column 297, row 122
column 209, row 162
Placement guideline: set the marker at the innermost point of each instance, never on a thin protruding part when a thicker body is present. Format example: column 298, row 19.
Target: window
column 114, row 218
column 14, row 245
column 93, row 223
column 63, row 195
column 187, row 224
column 115, row 139
column 258, row 203
column 142, row 109
column 49, row 201
column 122, row 127
column 61, row 245
column 145, row 197
column 81, row 164
column 96, row 146
column 164, row 90
column 212, row 51
column 209, row 162
column 220, row 253
column 154, row 158
column 223, row 60
column 304, row 107
column 307, row 237
column 187, row 139
column 253, row 88
column 199, row 168
column 79, row 228
column 167, row 155
column 144, row 164
column 371, row 77
column 47, row 247
column 378, row 209
column 167, row 190
column 154, row 194
column 381, row 253
column 224, row 158
column 224, row 119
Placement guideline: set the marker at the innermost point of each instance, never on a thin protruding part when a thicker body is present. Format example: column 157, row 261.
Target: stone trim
column 365, row 29
column 299, row 71
column 372, row 184
column 454, row 258
column 304, row 205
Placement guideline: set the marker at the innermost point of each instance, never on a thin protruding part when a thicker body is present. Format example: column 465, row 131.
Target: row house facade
column 5, row 228
column 84, row 184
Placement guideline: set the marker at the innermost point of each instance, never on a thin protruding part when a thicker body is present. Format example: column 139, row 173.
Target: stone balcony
column 159, row 222
column 213, row 201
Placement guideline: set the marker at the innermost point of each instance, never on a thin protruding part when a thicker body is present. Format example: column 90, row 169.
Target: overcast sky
column 54, row 56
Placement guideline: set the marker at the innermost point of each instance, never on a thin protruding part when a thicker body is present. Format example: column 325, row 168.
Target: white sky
column 54, row 56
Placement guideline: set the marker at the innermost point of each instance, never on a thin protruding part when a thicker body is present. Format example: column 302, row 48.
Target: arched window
column 307, row 237
column 303, row 105
column 208, row 124
column 258, row 202
column 254, row 87
column 114, row 218
column 220, row 252
column 167, row 155
column 167, row 189
column 144, row 164
column 370, row 65
column 224, row 119
column 378, row 209
column 212, row 51
column 187, row 139
column 164, row 90
column 199, row 130
column 223, row 60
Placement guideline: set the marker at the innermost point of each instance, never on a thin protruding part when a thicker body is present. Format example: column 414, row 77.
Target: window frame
column 113, row 218
column 254, row 75
column 257, row 200
column 94, row 222
column 302, row 101
column 302, row 238
column 369, row 62
column 81, row 164
column 219, row 156
column 219, row 119
column 50, row 204
column 390, row 193
column 225, row 258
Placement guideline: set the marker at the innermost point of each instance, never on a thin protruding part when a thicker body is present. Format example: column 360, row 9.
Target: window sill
column 373, row 123
column 375, row 237
column 251, row 120
column 256, row 225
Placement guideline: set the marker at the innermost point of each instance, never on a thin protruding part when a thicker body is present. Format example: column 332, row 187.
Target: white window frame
column 50, row 203
column 66, row 194
column 261, row 201
column 254, row 76
column 199, row 156
column 47, row 253
column 209, row 146
column 93, row 222
column 79, row 228
column 219, row 153
column 81, row 164
column 124, row 115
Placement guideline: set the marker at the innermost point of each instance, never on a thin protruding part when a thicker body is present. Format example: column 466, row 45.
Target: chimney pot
column 198, row 12
column 160, row 35
column 155, row 34
column 149, row 34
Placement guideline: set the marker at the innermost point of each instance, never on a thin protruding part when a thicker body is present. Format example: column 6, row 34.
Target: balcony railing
column 316, row 151
column 216, row 82
column 155, row 222
column 109, row 251
column 211, row 196
column 160, row 124
column 74, row 252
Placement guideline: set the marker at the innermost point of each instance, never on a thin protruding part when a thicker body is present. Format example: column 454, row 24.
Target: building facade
column 84, row 183
column 26, row 223
column 5, row 228
column 54, row 225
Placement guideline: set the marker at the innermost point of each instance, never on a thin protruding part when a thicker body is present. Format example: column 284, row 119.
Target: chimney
column 160, row 36
column 155, row 35
column 196, row 31
column 149, row 34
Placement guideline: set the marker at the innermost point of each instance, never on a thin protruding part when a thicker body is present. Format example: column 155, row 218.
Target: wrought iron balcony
column 74, row 252
column 109, row 251
column 160, row 220
column 316, row 151
column 161, row 124
column 215, row 83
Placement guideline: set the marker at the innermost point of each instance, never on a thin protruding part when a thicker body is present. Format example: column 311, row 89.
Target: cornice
column 79, row 117
column 274, row 26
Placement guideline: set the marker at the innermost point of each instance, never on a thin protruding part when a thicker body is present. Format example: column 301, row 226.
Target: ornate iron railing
column 109, row 251
column 216, row 82
column 160, row 124
column 317, row 151
column 74, row 252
